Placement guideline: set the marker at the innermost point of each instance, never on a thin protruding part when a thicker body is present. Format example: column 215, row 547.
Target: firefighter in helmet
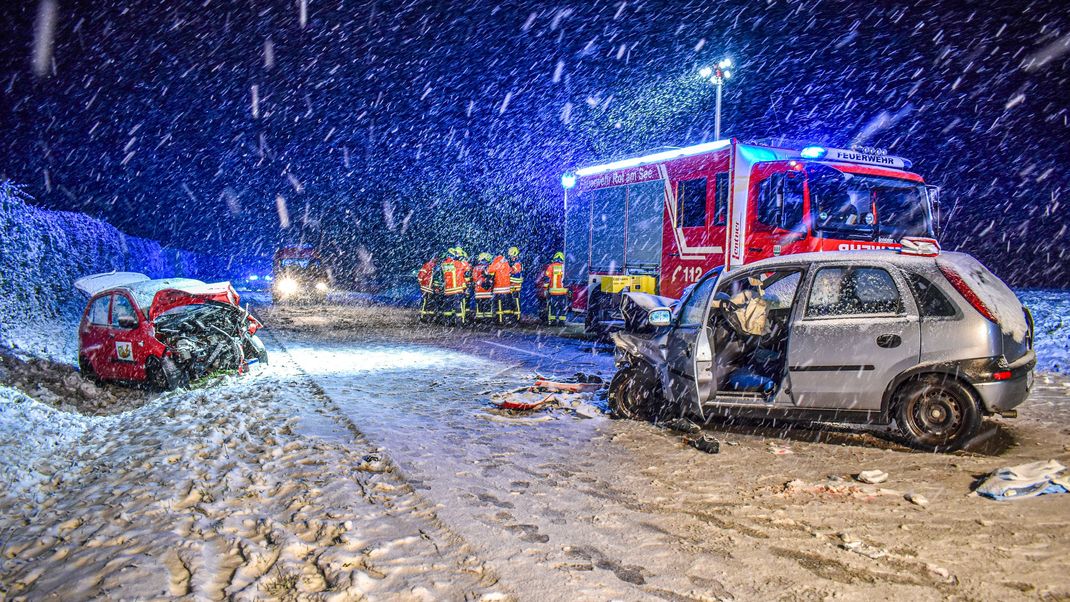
column 501, row 287
column 516, row 280
column 483, row 285
column 425, row 278
column 556, row 295
column 455, row 287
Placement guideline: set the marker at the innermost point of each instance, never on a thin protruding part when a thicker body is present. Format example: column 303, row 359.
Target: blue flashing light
column 906, row 163
column 658, row 157
column 813, row 152
column 568, row 180
column 253, row 277
column 269, row 278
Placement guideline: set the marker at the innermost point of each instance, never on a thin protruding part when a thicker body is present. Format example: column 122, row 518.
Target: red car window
column 98, row 311
column 122, row 308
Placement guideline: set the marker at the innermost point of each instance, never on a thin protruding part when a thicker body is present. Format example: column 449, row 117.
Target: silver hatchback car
column 930, row 343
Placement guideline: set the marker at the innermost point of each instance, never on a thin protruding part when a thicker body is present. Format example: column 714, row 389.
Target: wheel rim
column 937, row 413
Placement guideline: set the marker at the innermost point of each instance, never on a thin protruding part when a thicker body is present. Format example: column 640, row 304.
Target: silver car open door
column 689, row 357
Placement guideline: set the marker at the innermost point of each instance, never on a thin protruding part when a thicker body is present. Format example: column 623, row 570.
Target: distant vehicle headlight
column 321, row 286
column 287, row 286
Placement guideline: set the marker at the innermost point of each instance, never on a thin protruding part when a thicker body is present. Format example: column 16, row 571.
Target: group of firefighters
column 457, row 291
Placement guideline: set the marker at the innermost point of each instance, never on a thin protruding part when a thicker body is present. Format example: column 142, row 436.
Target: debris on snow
column 872, row 477
column 704, row 443
column 917, row 499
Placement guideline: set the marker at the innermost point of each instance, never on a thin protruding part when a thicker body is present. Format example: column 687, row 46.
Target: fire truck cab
column 658, row 222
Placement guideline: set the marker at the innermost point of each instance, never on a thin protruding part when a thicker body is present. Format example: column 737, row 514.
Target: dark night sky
column 466, row 113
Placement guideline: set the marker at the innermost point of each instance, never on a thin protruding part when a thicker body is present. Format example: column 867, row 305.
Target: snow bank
column 1051, row 317
column 43, row 252
column 32, row 435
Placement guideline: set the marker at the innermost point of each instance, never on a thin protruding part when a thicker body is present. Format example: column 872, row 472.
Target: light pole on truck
column 717, row 75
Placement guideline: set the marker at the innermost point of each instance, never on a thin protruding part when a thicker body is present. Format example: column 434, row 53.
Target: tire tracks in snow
column 439, row 531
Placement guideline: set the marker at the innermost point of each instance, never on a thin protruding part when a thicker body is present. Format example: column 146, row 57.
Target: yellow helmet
column 460, row 253
column 514, row 252
column 485, row 257
column 559, row 256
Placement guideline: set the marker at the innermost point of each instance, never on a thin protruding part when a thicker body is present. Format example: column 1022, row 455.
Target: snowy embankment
column 1051, row 314
column 43, row 252
column 253, row 489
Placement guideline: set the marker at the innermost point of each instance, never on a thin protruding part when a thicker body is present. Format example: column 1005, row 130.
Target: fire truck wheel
column 936, row 413
column 633, row 394
column 165, row 375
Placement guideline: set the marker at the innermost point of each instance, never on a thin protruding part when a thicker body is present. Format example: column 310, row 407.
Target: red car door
column 94, row 335
column 126, row 339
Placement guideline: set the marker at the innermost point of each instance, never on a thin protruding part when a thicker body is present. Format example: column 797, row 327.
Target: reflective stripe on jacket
column 499, row 269
column 516, row 278
column 555, row 275
column 453, row 271
column 482, row 281
column 424, row 276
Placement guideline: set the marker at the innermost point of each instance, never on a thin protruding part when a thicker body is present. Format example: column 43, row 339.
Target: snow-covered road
column 259, row 486
column 564, row 507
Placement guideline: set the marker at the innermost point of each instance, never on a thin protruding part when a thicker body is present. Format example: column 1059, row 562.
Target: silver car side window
column 853, row 291
column 695, row 307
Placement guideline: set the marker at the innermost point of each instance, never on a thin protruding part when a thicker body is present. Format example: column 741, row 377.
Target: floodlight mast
column 717, row 76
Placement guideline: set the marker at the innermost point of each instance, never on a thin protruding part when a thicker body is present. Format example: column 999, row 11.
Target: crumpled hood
column 194, row 294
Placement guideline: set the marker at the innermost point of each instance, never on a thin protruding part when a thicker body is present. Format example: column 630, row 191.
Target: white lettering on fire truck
column 855, row 246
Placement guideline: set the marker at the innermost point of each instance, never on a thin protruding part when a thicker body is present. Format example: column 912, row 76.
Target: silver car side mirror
column 659, row 317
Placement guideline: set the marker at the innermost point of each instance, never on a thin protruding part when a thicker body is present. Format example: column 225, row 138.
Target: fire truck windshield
column 865, row 207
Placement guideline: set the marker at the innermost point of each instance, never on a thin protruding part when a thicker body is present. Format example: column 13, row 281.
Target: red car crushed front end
column 166, row 332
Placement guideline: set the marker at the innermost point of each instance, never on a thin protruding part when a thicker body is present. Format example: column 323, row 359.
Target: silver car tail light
column 967, row 293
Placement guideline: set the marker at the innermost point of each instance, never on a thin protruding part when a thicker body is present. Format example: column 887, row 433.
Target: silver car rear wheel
column 937, row 413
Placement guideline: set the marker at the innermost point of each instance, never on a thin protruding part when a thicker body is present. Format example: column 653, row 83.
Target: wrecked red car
column 163, row 332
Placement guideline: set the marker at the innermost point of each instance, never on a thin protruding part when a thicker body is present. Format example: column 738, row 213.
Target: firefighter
column 499, row 272
column 483, row 285
column 465, row 266
column 516, row 280
column 425, row 278
column 556, row 293
column 455, row 287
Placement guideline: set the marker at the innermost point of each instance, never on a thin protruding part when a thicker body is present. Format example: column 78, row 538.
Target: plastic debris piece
column 872, row 477
column 682, row 425
column 705, row 443
column 917, row 499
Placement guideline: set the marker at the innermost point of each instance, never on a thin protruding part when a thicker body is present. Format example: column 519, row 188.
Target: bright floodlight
column 727, row 74
column 568, row 180
column 726, row 63
column 705, row 72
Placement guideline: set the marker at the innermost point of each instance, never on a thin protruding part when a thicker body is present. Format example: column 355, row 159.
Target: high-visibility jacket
column 425, row 275
column 516, row 277
column 482, row 281
column 500, row 270
column 555, row 279
column 455, row 273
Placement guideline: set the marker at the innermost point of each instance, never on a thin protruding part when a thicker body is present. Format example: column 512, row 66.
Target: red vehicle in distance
column 163, row 332
column 656, row 223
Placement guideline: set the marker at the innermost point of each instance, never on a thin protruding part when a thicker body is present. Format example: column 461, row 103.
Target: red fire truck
column 657, row 222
